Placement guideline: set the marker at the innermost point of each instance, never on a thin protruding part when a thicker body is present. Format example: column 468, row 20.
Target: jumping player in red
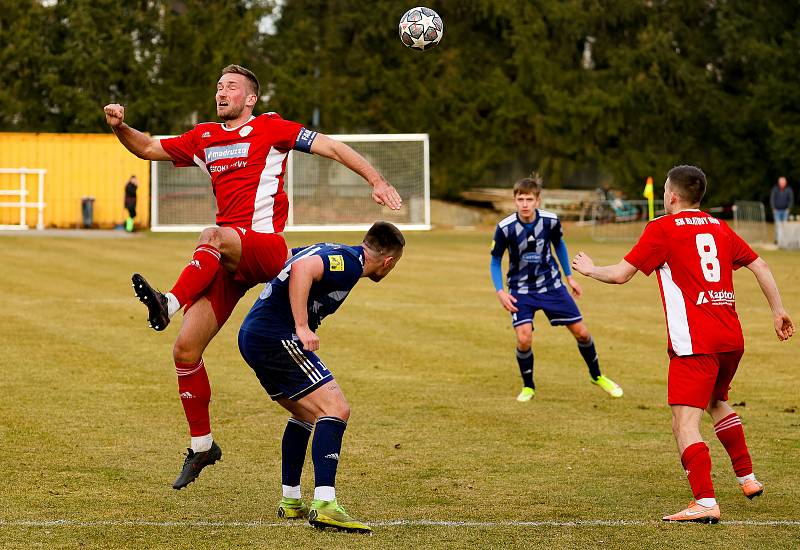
column 694, row 256
column 245, row 157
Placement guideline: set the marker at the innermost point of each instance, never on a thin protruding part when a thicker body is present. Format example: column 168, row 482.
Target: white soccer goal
column 750, row 221
column 22, row 203
column 323, row 194
column 621, row 220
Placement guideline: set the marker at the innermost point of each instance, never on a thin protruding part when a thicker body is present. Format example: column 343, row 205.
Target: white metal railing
column 23, row 204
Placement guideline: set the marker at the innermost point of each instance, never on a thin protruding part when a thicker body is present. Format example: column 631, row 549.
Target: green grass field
column 92, row 430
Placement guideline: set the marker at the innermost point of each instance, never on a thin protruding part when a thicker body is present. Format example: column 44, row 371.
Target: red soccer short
column 695, row 379
column 263, row 256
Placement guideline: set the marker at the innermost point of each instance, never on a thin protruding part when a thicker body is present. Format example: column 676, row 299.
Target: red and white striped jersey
column 246, row 165
column 694, row 256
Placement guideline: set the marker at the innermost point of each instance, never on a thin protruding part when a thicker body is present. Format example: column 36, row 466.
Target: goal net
column 621, row 220
column 625, row 220
column 750, row 221
column 323, row 194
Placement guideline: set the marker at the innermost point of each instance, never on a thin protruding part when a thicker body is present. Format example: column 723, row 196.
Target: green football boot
column 292, row 508
column 609, row 386
column 526, row 394
column 329, row 513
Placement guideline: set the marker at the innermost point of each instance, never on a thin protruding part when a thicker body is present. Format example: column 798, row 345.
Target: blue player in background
column 534, row 282
column 278, row 341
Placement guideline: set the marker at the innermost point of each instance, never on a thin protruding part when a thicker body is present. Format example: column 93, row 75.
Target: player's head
column 782, row 182
column 526, row 194
column 237, row 92
column 383, row 245
column 684, row 188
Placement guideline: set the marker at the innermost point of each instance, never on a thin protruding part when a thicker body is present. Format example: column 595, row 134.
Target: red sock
column 196, row 276
column 697, row 462
column 195, row 393
column 731, row 435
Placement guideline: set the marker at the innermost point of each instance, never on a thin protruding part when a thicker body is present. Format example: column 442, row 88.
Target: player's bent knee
column 337, row 410
column 184, row 353
column 212, row 236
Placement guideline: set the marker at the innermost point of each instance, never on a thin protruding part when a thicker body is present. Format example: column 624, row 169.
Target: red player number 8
column 707, row 249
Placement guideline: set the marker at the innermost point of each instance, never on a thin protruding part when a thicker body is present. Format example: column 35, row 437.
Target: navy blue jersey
column 532, row 267
column 271, row 315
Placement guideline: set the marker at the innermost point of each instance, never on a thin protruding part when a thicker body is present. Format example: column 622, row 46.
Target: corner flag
column 648, row 194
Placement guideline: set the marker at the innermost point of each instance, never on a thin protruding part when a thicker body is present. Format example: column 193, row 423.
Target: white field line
column 387, row 523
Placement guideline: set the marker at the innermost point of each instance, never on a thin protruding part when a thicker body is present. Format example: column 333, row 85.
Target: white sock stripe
column 331, row 419
column 524, row 354
column 725, row 424
column 214, row 253
column 587, row 344
column 719, row 429
column 305, row 425
column 190, row 370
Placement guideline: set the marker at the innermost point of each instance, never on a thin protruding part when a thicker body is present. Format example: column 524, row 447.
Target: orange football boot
column 696, row 513
column 752, row 488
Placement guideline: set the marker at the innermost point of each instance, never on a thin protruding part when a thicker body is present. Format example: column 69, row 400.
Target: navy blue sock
column 525, row 362
column 325, row 448
column 590, row 356
column 293, row 451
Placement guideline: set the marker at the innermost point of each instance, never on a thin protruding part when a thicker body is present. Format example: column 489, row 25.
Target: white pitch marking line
column 386, row 523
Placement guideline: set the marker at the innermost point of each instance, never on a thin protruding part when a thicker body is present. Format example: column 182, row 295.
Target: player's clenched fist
column 582, row 263
column 115, row 113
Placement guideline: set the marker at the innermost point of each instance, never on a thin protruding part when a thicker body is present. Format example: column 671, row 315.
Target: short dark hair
column 250, row 75
column 384, row 239
column 532, row 185
column 688, row 182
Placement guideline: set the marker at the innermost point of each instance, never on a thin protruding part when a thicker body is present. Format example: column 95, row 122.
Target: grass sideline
column 92, row 430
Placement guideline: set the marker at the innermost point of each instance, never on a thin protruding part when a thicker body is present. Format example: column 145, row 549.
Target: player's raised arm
column 138, row 143
column 614, row 274
column 304, row 272
column 784, row 327
column 382, row 192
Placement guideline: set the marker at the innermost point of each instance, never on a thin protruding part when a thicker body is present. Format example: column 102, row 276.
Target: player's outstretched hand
column 115, row 114
column 582, row 263
column 386, row 195
column 784, row 327
column 308, row 338
column 576, row 288
column 507, row 300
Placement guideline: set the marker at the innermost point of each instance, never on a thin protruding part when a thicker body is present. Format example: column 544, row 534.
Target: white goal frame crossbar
column 23, row 204
column 289, row 188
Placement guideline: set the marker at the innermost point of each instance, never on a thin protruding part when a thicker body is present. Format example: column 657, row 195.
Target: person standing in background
column 781, row 200
column 130, row 202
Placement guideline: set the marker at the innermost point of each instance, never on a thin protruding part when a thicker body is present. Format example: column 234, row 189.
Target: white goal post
column 323, row 194
column 23, row 203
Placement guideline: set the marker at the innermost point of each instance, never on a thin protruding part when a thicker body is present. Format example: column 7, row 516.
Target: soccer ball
column 421, row 28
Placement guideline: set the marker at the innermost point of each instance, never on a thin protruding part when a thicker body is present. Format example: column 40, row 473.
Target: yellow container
column 78, row 165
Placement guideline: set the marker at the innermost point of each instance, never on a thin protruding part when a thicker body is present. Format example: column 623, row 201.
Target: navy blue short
column 283, row 367
column 557, row 304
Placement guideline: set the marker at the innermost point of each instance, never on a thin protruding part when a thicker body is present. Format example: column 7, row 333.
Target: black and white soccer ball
column 421, row 28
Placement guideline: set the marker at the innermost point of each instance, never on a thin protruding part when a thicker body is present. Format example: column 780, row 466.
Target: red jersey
column 694, row 256
column 246, row 165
